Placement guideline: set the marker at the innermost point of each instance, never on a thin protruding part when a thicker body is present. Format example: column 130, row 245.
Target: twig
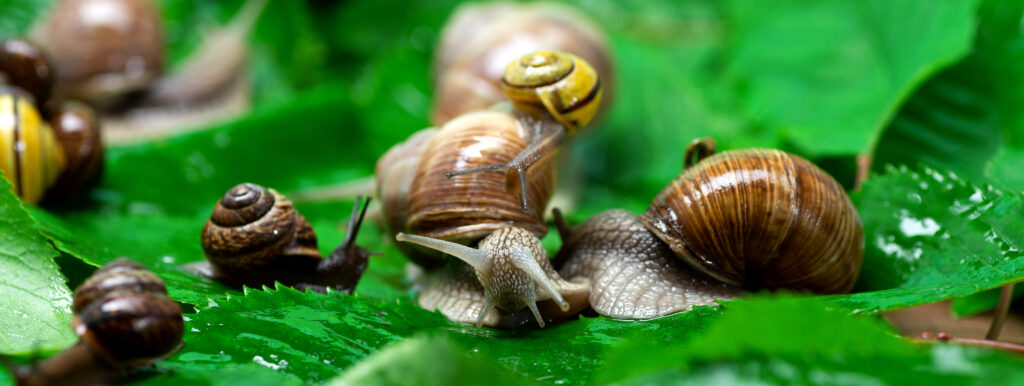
column 1001, row 310
column 996, row 344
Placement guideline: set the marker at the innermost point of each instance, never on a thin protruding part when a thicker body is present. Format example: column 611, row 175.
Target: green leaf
column 930, row 236
column 36, row 311
column 20, row 14
column 830, row 74
column 427, row 360
column 796, row 341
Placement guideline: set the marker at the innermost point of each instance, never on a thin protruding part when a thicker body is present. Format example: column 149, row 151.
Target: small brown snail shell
column 38, row 158
column 753, row 219
column 256, row 237
column 479, row 40
column 514, row 273
column 23, row 65
column 124, row 320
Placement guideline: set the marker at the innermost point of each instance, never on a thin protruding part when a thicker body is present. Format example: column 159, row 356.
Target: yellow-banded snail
column 124, row 320
column 59, row 155
column 421, row 195
column 111, row 54
column 750, row 219
column 479, row 40
column 256, row 237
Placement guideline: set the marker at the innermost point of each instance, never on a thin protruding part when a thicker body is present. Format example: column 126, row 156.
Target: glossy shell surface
column 30, row 156
column 761, row 219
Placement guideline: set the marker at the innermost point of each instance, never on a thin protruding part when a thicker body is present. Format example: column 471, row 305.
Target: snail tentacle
column 523, row 260
column 346, row 264
column 474, row 257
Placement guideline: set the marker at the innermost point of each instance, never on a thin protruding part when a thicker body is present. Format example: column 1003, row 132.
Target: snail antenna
column 523, row 259
column 488, row 304
column 474, row 257
column 564, row 229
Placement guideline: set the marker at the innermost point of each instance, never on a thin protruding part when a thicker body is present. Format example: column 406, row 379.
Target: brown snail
column 751, row 219
column 256, row 237
column 111, row 54
column 124, row 320
column 448, row 183
column 479, row 40
column 57, row 153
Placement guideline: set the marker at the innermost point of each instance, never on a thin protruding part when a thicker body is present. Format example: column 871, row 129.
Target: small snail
column 479, row 40
column 59, row 158
column 124, row 320
column 110, row 53
column 748, row 219
column 256, row 237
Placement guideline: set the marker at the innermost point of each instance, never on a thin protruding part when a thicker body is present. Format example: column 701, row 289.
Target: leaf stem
column 1001, row 310
column 986, row 343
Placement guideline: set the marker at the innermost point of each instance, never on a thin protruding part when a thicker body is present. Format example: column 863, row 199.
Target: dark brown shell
column 480, row 40
column 121, row 275
column 78, row 130
column 103, row 48
column 253, row 225
column 23, row 65
column 131, row 327
column 465, row 208
column 761, row 219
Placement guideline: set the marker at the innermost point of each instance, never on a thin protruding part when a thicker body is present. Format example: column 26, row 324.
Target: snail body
column 256, row 237
column 479, row 40
column 746, row 219
column 124, row 320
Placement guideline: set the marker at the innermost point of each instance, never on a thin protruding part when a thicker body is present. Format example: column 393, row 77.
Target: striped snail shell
column 745, row 219
column 512, row 270
column 252, row 225
column 555, row 83
column 121, row 275
column 463, row 208
column 31, row 157
column 255, row 237
column 479, row 40
column 761, row 219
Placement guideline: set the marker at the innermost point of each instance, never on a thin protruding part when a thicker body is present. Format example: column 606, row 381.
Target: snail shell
column 253, row 225
column 464, row 208
column 77, row 129
column 512, row 273
column 23, row 65
column 761, row 219
column 103, row 49
column 633, row 274
column 559, row 84
column 480, row 40
column 30, row 156
column 124, row 315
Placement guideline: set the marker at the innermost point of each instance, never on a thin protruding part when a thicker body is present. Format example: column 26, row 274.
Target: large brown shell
column 131, row 328
column 103, row 48
column 465, row 208
column 633, row 275
column 480, row 40
column 761, row 219
column 121, row 275
column 253, row 225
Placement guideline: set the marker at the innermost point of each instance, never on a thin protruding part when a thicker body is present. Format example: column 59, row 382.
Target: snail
column 256, row 237
column 447, row 183
column 58, row 158
column 124, row 320
column 480, row 39
column 750, row 219
column 111, row 54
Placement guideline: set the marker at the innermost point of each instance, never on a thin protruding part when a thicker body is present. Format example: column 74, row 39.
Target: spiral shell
column 466, row 208
column 123, row 314
column 30, row 156
column 23, row 65
column 761, row 219
column 251, row 226
column 103, row 49
column 555, row 83
column 78, row 131
column 479, row 41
